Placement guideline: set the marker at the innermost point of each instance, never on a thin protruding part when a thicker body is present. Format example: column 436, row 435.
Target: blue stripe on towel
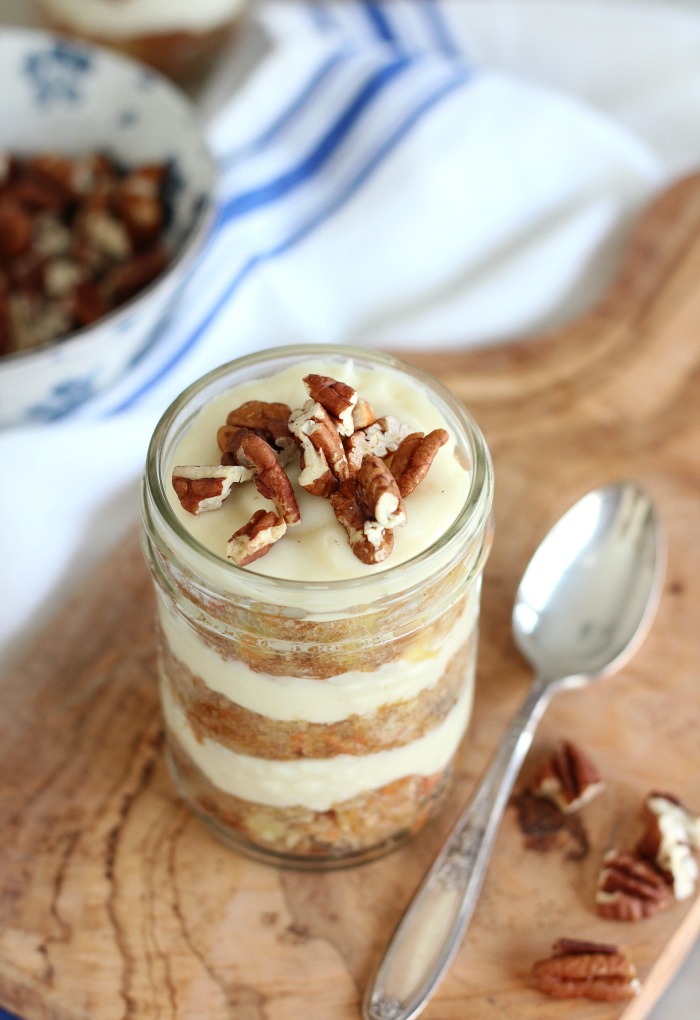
column 315, row 160
column 438, row 24
column 285, row 118
column 380, row 23
column 401, row 131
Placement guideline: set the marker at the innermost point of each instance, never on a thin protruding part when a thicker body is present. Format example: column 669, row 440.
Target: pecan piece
column 255, row 538
column 630, row 888
column 389, row 433
column 277, row 433
column 263, row 419
column 313, row 423
column 140, row 203
column 15, row 228
column 379, row 494
column 568, row 778
column 271, row 481
column 362, row 414
column 124, row 280
column 200, row 488
column 257, row 414
column 336, row 397
column 357, row 446
column 671, row 835
column 413, row 457
column 580, row 969
column 369, row 541
column 315, row 475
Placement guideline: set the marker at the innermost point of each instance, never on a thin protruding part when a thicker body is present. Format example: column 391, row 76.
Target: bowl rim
column 180, row 262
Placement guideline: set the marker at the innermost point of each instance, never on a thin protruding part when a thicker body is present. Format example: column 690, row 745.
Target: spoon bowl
column 591, row 589
column 583, row 606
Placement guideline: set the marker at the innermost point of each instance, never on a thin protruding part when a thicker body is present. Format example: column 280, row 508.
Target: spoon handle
column 431, row 931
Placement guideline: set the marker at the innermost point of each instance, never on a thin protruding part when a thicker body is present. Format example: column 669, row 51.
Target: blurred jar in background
column 180, row 38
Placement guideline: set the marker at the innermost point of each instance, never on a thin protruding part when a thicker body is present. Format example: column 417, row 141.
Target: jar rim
column 463, row 530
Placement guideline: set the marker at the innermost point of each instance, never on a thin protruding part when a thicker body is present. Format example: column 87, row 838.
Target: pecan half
column 671, row 835
column 200, row 488
column 336, row 397
column 630, row 888
column 580, row 969
column 255, row 538
column 413, row 457
column 369, row 541
column 568, row 778
column 379, row 494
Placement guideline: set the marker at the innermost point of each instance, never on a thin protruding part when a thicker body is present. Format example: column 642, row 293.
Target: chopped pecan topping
column 413, row 457
column 389, row 433
column 200, row 488
column 592, row 970
column 278, row 433
column 337, row 398
column 257, row 414
column 271, row 480
column 228, row 438
column 357, row 446
column 630, row 888
column 341, row 446
column 671, row 836
column 314, row 424
column 369, row 540
column 315, row 475
column 255, row 538
column 568, row 778
column 362, row 414
column 275, row 431
column 379, row 494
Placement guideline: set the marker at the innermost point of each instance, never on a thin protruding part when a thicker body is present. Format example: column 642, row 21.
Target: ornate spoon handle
column 431, row 931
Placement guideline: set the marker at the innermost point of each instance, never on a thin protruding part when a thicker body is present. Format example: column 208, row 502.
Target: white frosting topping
column 318, row 549
column 124, row 18
column 317, row 783
column 319, row 701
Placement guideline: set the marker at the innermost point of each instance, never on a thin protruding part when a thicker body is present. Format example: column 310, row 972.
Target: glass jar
column 314, row 723
column 180, row 38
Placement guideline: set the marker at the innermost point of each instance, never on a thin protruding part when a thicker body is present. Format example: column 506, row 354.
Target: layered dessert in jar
column 177, row 37
column 317, row 521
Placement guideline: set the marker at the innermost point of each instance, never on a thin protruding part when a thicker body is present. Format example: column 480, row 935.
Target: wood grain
column 115, row 903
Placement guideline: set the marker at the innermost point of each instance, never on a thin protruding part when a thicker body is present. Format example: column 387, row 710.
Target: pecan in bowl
column 103, row 207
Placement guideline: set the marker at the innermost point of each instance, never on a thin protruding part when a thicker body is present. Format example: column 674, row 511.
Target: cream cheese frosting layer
column 317, row 549
column 317, row 784
column 285, row 698
column 124, row 18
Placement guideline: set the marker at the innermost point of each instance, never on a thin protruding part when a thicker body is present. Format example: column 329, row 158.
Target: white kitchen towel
column 408, row 173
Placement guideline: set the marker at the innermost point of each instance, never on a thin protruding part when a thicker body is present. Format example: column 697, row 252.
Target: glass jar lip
column 464, row 528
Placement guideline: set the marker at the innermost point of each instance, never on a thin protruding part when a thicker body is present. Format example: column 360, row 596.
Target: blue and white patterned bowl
column 57, row 95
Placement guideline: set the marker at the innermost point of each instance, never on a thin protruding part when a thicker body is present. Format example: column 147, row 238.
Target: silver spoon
column 583, row 606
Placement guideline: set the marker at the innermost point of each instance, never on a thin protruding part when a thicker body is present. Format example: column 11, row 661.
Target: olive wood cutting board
column 116, row 903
